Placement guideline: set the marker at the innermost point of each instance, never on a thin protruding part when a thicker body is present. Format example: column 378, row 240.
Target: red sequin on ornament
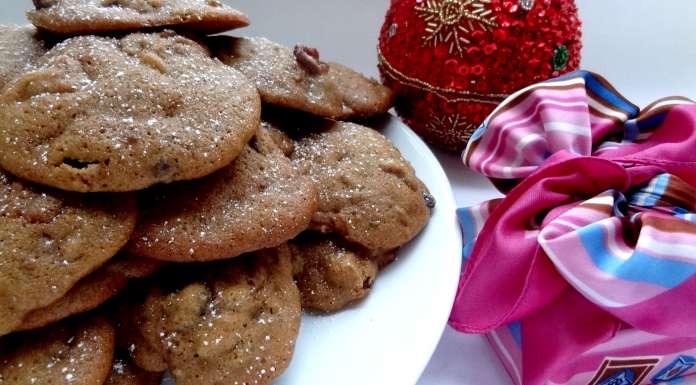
column 447, row 87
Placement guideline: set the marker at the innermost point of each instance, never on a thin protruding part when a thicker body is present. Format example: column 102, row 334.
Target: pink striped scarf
column 597, row 232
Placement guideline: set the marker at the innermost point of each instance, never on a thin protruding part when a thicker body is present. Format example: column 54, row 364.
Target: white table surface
column 646, row 48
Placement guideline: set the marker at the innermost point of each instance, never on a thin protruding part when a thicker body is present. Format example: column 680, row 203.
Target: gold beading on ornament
column 450, row 21
column 450, row 95
column 451, row 130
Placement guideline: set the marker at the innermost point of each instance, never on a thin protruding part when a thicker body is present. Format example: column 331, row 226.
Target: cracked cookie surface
column 101, row 114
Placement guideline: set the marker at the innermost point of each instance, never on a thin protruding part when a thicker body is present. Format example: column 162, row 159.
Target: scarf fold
column 600, row 201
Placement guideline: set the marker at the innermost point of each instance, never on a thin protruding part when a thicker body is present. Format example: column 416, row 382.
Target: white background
column 646, row 48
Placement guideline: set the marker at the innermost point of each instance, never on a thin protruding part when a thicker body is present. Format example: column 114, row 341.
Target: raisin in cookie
column 76, row 17
column 330, row 274
column 369, row 194
column 259, row 201
column 19, row 47
column 232, row 321
column 93, row 290
column 51, row 239
column 298, row 79
column 101, row 114
column 78, row 352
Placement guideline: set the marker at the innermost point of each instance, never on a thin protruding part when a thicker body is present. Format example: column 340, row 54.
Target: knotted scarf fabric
column 597, row 232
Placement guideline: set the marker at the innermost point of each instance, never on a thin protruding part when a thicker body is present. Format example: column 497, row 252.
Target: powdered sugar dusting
column 100, row 114
column 85, row 16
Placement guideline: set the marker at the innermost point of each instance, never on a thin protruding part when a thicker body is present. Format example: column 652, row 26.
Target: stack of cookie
column 136, row 159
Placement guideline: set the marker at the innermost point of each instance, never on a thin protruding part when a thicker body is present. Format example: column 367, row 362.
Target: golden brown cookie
column 100, row 114
column 124, row 372
column 93, row 290
column 259, row 201
column 51, row 239
column 331, row 275
column 20, row 46
column 298, row 79
column 237, row 320
column 369, row 194
column 74, row 352
column 85, row 17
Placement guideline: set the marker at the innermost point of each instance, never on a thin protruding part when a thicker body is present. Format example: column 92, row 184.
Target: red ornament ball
column 451, row 62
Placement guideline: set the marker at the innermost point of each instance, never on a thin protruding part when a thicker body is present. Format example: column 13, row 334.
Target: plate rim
column 448, row 204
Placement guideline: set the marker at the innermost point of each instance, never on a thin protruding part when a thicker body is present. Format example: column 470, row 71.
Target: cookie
column 75, row 353
column 130, row 338
column 369, row 194
column 298, row 79
column 86, row 17
column 51, row 239
column 101, row 114
column 19, row 47
column 331, row 274
column 126, row 312
column 124, row 372
column 259, row 201
column 93, row 290
column 144, row 355
column 234, row 321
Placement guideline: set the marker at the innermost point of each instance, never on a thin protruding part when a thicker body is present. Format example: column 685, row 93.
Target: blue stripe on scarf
column 598, row 89
column 516, row 331
column 631, row 131
column 656, row 120
column 468, row 225
column 690, row 217
column 640, row 267
column 648, row 197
